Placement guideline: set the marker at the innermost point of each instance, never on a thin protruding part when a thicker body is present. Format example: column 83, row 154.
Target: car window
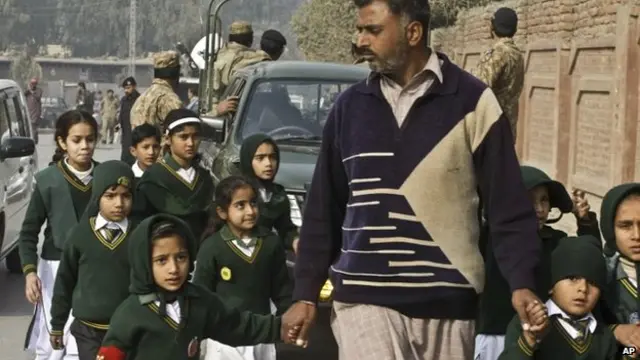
column 24, row 118
column 287, row 109
column 17, row 124
column 5, row 130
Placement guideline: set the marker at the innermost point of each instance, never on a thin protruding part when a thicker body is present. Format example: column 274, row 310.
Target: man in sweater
column 392, row 212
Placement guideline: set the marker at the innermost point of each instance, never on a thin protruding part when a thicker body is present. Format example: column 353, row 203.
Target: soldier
column 108, row 111
column 124, row 118
column 155, row 103
column 273, row 43
column 233, row 56
column 502, row 66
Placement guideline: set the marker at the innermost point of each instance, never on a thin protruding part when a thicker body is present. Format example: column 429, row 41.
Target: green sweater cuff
column 28, row 269
column 524, row 346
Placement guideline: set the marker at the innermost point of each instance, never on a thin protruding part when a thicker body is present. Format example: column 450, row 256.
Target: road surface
column 15, row 311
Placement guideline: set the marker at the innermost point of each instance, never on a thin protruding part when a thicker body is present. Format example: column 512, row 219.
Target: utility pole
column 132, row 37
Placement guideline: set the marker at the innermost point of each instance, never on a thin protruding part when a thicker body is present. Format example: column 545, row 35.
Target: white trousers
column 213, row 350
column 488, row 347
column 39, row 337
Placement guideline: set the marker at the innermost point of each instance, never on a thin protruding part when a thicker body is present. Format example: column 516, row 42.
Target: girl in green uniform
column 176, row 184
column 495, row 302
column 61, row 194
column 93, row 277
column 243, row 263
column 165, row 316
column 570, row 331
column 259, row 161
column 620, row 225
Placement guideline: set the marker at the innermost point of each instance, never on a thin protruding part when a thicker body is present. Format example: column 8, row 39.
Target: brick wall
column 579, row 108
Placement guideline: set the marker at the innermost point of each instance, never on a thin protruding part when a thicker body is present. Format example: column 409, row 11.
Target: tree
column 324, row 27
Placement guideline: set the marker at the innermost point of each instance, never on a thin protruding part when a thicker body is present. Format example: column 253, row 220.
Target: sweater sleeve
column 35, row 217
column 281, row 286
column 321, row 232
column 589, row 226
column 286, row 229
column 508, row 209
column 65, row 283
column 206, row 274
column 235, row 328
column 122, row 335
column 515, row 345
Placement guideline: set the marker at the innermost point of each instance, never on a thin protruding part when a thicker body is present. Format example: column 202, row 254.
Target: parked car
column 18, row 164
column 52, row 108
column 288, row 100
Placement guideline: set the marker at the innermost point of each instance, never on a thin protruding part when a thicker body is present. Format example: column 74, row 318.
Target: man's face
column 382, row 37
column 110, row 95
column 128, row 90
column 32, row 85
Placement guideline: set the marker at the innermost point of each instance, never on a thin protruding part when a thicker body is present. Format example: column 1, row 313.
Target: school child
column 166, row 316
column 620, row 225
column 93, row 277
column 61, row 194
column 145, row 147
column 259, row 161
column 177, row 185
column 578, row 275
column 243, row 263
column 495, row 302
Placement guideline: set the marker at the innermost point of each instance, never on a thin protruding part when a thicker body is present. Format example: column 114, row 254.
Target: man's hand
column 297, row 321
column 227, row 105
column 539, row 322
column 521, row 300
column 33, row 288
column 628, row 334
column 56, row 342
column 581, row 205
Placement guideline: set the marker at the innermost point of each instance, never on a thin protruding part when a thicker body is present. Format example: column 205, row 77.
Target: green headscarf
column 610, row 203
column 558, row 195
column 249, row 147
column 107, row 174
column 140, row 247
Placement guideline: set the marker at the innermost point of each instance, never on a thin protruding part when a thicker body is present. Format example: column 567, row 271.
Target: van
column 18, row 164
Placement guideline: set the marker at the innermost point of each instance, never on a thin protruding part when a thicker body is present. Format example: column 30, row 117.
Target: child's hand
column 581, row 205
column 628, row 335
column 295, row 246
column 537, row 313
column 56, row 342
column 33, row 288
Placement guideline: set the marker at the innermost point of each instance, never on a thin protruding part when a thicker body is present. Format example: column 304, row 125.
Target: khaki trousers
column 366, row 332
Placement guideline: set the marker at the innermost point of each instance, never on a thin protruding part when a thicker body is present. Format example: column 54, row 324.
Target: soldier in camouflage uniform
column 620, row 225
column 233, row 56
column 155, row 103
column 502, row 66
column 24, row 67
column 108, row 113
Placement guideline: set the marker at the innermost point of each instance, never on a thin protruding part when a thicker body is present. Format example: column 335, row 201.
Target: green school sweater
column 93, row 277
column 495, row 308
column 162, row 190
column 245, row 282
column 558, row 344
column 44, row 201
column 276, row 214
column 620, row 299
column 142, row 333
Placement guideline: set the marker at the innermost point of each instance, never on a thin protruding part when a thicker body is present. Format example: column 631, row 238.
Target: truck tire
column 13, row 262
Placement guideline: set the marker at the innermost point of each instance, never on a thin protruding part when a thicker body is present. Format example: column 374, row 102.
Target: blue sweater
column 394, row 211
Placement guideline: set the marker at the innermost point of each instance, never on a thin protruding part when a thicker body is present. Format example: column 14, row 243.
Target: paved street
column 15, row 311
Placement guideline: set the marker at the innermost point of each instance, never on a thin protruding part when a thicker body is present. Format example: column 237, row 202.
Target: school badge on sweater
column 194, row 345
column 225, row 273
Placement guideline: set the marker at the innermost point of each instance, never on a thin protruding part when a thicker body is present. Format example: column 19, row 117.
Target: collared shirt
column 84, row 176
column 137, row 170
column 187, row 174
column 554, row 309
column 402, row 98
column 247, row 250
column 173, row 310
column 102, row 224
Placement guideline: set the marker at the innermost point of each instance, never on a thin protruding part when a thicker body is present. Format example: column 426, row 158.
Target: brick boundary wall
column 579, row 108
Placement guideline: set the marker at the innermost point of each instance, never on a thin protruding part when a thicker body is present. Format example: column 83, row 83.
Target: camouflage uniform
column 108, row 113
column 160, row 98
column 24, row 68
column 502, row 68
column 232, row 57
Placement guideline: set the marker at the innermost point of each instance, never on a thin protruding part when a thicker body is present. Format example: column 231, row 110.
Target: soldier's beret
column 240, row 27
column 166, row 59
column 130, row 81
column 505, row 22
column 275, row 36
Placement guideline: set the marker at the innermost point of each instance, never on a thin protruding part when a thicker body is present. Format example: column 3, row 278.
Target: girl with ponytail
column 62, row 191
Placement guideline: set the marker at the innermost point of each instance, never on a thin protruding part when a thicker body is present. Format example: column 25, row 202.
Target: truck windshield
column 290, row 109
